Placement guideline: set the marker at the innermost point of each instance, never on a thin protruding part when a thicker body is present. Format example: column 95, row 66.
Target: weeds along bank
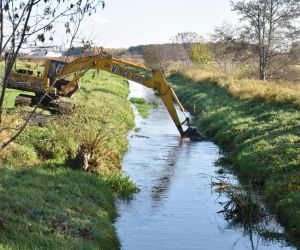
column 45, row 204
column 261, row 134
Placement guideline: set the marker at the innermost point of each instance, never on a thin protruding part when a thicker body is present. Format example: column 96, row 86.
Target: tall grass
column 276, row 92
column 120, row 184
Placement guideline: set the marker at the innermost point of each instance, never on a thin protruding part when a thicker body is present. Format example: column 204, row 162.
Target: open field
column 255, row 122
column 259, row 128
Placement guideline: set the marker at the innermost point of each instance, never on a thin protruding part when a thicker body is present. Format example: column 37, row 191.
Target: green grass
column 11, row 95
column 120, row 184
column 44, row 204
column 263, row 140
column 102, row 110
column 55, row 208
column 35, row 66
column 143, row 106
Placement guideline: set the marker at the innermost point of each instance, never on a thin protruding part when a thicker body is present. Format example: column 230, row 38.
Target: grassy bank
column 262, row 136
column 44, row 204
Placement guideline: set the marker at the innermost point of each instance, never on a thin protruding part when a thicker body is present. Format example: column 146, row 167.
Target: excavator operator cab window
column 54, row 69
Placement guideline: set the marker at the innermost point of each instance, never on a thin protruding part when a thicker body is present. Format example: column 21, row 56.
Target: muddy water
column 176, row 207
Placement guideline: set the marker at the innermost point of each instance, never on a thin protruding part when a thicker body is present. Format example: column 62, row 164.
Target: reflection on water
column 176, row 207
column 162, row 184
column 243, row 208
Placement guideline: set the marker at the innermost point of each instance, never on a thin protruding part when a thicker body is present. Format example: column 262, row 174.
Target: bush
column 200, row 54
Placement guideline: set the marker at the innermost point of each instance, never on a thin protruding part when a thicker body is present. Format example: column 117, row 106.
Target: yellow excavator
column 61, row 79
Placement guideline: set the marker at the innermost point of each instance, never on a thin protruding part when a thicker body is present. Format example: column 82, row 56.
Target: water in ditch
column 177, row 208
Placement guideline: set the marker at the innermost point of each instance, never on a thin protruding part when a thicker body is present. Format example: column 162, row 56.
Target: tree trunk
column 11, row 60
column 263, row 69
column 81, row 160
column 3, row 90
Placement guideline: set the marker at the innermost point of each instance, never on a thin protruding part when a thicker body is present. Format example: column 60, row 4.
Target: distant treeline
column 230, row 56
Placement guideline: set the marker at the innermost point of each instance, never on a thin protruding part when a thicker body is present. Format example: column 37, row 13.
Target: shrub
column 200, row 54
column 120, row 184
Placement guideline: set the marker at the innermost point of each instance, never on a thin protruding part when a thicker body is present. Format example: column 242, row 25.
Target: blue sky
column 124, row 23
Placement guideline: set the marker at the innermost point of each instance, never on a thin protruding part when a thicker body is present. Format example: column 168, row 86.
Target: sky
column 125, row 23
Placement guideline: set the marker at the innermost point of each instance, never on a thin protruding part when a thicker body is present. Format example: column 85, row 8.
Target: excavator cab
column 52, row 69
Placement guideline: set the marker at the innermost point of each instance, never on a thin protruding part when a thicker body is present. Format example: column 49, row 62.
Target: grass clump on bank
column 143, row 106
column 120, row 184
column 47, row 204
column 263, row 139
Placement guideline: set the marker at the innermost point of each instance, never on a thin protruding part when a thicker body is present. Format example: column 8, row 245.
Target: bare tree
column 23, row 23
column 269, row 25
column 228, row 48
column 295, row 52
column 158, row 56
column 224, row 40
column 186, row 40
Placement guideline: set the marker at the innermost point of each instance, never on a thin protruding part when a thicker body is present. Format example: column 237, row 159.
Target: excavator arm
column 137, row 73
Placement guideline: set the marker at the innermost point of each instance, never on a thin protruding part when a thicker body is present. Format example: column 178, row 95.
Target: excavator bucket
column 193, row 134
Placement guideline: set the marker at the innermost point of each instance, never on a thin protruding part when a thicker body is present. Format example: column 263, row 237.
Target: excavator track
column 56, row 105
column 24, row 100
